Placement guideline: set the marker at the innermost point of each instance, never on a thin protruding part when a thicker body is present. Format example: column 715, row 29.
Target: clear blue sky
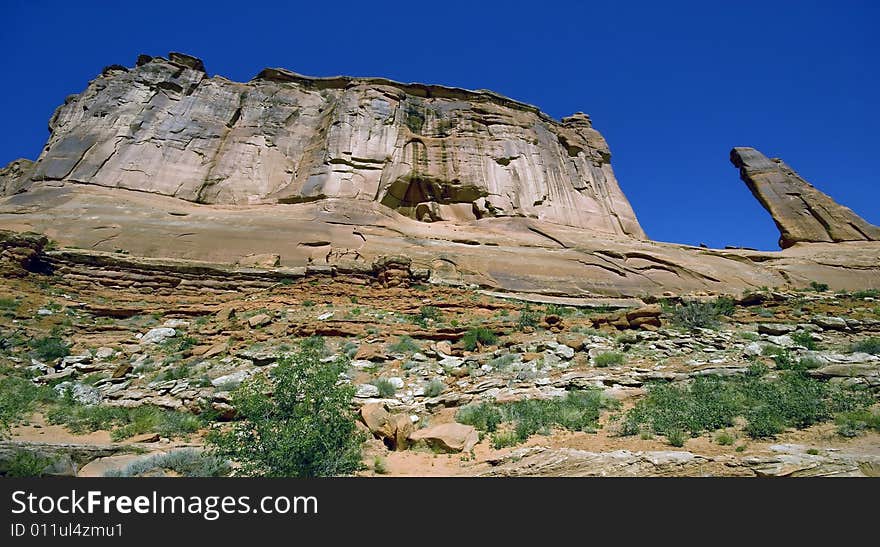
column 672, row 85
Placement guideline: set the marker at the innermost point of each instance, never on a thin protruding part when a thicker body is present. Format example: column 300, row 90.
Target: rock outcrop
column 429, row 152
column 14, row 177
column 801, row 212
column 162, row 178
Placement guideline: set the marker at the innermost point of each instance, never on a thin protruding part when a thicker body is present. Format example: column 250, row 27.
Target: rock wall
column 801, row 212
column 429, row 152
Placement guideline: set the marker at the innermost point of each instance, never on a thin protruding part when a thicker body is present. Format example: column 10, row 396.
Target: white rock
column 324, row 316
column 104, row 353
column 396, row 381
column 231, row 379
column 367, row 391
column 158, row 335
column 44, row 311
column 451, row 361
column 754, row 349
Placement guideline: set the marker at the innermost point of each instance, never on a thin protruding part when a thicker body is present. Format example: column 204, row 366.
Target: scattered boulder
column 451, row 437
column 259, row 320
column 158, row 335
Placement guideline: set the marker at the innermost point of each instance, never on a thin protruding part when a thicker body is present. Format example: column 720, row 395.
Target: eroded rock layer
column 801, row 212
column 429, row 152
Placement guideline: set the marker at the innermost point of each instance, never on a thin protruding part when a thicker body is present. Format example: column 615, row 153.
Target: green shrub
column 695, row 314
column 724, row 438
column 18, row 398
column 781, row 356
column 25, row 463
column 608, row 358
column 851, row 424
column 867, row 293
column 483, row 416
column 527, row 318
column 49, row 348
column 504, row 439
column 478, row 336
column 187, row 462
column 804, row 339
column 305, row 429
column 385, row 387
column 868, row 345
column 768, row 405
column 503, row 362
column 434, row 388
column 676, row 438
column 818, row 287
column 576, row 411
column 379, row 466
column 122, row 422
column 404, row 344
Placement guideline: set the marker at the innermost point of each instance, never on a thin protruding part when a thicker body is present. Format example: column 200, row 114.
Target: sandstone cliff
column 429, row 152
column 801, row 212
column 288, row 174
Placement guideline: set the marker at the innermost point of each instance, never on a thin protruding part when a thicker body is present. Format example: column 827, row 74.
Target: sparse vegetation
column 768, row 405
column 868, row 345
column 18, row 398
column 527, row 319
column 404, row 344
column 49, row 348
column 434, row 388
column 121, row 422
column 478, row 336
column 608, row 359
column 186, row 462
column 25, row 463
column 379, row 466
column 695, row 314
column 818, row 287
column 386, row 388
column 804, row 339
column 725, row 439
column 306, row 429
column 577, row 411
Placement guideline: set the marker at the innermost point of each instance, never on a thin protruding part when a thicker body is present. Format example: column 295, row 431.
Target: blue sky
column 672, row 85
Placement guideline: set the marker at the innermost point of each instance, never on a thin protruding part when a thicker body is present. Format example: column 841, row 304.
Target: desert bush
column 434, row 388
column 478, row 336
column 385, row 387
column 696, row 314
column 724, row 438
column 818, row 287
column 867, row 293
column 804, row 339
column 769, row 405
column 527, row 318
column 18, row 398
column 187, row 462
column 676, row 437
column 305, row 429
column 49, row 348
column 576, row 411
column 851, row 424
column 379, row 466
column 868, row 345
column 25, row 463
column 608, row 358
column 121, row 422
column 404, row 344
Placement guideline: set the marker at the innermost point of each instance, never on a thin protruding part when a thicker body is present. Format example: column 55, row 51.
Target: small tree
column 298, row 423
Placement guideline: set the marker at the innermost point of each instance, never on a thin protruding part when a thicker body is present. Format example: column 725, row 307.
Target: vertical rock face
column 14, row 177
column 801, row 212
column 429, row 152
